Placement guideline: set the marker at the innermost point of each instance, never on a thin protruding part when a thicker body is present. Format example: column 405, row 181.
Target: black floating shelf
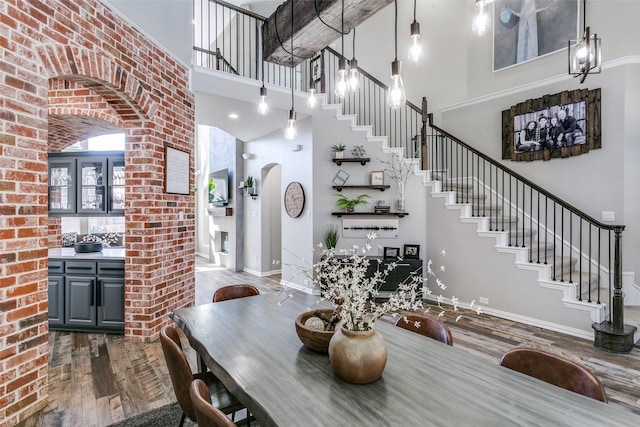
column 363, row 161
column 371, row 187
column 398, row 214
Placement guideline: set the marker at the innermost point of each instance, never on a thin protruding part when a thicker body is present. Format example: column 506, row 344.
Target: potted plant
column 249, row 185
column 339, row 150
column 349, row 205
column 331, row 236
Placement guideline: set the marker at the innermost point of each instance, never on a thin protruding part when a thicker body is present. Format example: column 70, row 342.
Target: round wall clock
column 294, row 199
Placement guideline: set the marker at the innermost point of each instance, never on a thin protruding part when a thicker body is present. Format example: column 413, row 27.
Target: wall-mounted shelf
column 398, row 214
column 363, row 161
column 370, row 187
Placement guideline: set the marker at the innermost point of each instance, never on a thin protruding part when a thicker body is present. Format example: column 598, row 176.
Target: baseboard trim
column 261, row 273
column 588, row 335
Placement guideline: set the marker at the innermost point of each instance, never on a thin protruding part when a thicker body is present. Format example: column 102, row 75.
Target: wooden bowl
column 313, row 339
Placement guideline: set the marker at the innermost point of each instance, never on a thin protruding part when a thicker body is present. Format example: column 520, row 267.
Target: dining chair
column 555, row 370
column 428, row 327
column 182, row 376
column 207, row 415
column 234, row 291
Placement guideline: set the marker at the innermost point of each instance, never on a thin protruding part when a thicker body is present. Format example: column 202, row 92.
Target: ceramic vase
column 357, row 357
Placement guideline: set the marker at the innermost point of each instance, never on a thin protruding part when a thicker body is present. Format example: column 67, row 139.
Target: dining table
column 251, row 345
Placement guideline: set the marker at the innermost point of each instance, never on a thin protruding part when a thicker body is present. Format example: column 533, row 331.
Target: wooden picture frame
column 411, row 251
column 377, row 178
column 526, row 136
column 390, row 252
column 176, row 171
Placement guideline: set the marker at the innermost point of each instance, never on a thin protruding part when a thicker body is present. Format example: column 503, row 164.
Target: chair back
column 207, row 415
column 234, row 291
column 555, row 370
column 428, row 327
column 179, row 369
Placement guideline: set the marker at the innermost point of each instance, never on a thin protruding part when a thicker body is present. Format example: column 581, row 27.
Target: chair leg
column 184, row 416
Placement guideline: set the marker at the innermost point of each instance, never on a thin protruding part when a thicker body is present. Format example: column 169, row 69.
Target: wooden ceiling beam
column 310, row 33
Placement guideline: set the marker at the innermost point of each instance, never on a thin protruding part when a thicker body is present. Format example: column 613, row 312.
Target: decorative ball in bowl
column 314, row 339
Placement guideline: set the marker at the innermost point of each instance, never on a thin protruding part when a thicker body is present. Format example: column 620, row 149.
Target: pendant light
column 482, row 21
column 290, row 132
column 585, row 55
column 396, row 97
column 263, row 107
column 415, row 51
column 342, row 82
column 312, row 101
column 353, row 67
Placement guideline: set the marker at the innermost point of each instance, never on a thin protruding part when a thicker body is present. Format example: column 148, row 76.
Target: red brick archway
column 85, row 43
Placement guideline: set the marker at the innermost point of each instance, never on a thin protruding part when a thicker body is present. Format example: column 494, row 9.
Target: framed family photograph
column 524, row 30
column 411, row 251
column 377, row 178
column 391, row 252
column 561, row 125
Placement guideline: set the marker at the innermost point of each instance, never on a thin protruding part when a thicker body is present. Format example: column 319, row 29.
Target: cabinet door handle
column 98, row 293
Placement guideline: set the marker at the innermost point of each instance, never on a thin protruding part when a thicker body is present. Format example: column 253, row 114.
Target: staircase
column 570, row 251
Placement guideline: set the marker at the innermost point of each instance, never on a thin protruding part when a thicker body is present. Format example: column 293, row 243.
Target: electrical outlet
column 484, row 300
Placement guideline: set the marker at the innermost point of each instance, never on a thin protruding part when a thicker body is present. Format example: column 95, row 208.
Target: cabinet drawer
column 56, row 267
column 80, row 267
column 113, row 269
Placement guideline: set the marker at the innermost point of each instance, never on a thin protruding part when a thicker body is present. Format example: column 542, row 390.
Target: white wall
column 166, row 21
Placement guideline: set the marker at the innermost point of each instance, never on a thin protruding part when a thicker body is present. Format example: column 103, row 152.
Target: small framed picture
column 411, row 251
column 391, row 252
column 377, row 178
column 340, row 177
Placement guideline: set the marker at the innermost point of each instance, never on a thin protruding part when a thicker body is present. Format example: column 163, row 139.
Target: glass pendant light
column 342, row 82
column 290, row 132
column 415, row 51
column 312, row 101
column 396, row 97
column 353, row 67
column 263, row 107
column 482, row 21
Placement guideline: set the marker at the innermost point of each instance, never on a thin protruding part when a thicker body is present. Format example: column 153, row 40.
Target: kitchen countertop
column 106, row 254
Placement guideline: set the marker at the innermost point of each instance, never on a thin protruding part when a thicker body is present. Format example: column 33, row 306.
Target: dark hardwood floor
column 98, row 379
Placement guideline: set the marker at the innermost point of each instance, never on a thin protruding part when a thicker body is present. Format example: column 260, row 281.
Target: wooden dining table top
column 251, row 345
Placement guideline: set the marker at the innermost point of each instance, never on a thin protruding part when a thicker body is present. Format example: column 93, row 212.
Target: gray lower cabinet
column 56, row 300
column 88, row 297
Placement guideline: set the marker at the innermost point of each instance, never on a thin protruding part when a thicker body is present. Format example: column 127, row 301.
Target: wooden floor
column 98, row 379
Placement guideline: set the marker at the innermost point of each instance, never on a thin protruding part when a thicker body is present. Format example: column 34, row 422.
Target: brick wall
column 82, row 51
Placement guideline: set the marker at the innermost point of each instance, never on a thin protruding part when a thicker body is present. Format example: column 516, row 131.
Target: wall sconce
column 585, row 54
column 247, row 156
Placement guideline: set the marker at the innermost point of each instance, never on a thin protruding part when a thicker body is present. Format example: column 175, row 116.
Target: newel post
column 613, row 335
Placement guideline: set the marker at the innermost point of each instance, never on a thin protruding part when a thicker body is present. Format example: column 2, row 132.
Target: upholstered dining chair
column 182, row 376
column 207, row 415
column 555, row 370
column 234, row 291
column 429, row 327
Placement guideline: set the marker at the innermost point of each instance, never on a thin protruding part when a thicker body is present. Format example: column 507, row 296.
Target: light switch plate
column 608, row 216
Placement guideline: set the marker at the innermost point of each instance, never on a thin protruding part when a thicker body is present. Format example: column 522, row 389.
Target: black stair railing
column 228, row 38
column 403, row 126
column 580, row 249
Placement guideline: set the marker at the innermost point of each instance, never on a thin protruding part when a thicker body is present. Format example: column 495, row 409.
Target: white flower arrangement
column 342, row 279
column 399, row 172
